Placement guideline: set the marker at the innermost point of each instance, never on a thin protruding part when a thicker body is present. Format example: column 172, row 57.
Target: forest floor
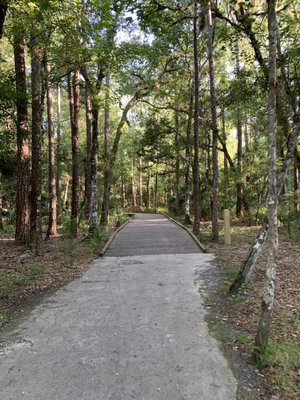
column 235, row 319
column 26, row 274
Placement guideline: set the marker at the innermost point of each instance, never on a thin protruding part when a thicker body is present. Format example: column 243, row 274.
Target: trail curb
column 202, row 247
column 108, row 243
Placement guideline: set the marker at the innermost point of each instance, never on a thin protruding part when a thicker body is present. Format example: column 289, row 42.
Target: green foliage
column 283, row 357
column 119, row 217
column 288, row 214
column 242, row 339
column 36, row 270
column 95, row 241
column 6, row 293
column 4, row 316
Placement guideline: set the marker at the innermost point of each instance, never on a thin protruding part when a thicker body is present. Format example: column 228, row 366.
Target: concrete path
column 130, row 328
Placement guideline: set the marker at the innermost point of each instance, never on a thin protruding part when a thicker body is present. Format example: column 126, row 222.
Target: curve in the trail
column 151, row 234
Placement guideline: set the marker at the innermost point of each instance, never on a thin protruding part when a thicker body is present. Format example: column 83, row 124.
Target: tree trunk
column 225, row 162
column 213, row 104
column 187, row 214
column 88, row 121
column 246, row 136
column 156, row 192
column 148, row 187
column 58, row 151
column 263, row 331
column 107, row 116
column 74, row 96
column 66, row 192
column 239, row 185
column 246, row 272
column 1, row 208
column 123, row 193
column 196, row 191
column 296, row 186
column 141, row 182
column 52, row 226
column 93, row 161
column 249, row 265
column 106, row 194
column 3, row 11
column 36, row 139
column 107, row 169
column 109, row 165
column 133, row 186
column 177, row 164
column 22, row 190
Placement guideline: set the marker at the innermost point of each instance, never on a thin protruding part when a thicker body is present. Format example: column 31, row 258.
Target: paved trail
column 131, row 328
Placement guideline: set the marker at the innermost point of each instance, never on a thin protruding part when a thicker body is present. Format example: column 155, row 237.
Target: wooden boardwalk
column 151, row 234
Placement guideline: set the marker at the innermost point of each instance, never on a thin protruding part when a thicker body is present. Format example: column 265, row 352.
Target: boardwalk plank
column 151, row 234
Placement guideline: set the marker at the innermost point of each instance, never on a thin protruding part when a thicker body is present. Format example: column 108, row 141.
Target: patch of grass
column 95, row 242
column 20, row 280
column 65, row 269
column 242, row 338
column 4, row 316
column 119, row 217
column 6, row 293
column 208, row 300
column 216, row 328
column 231, row 274
column 283, row 359
column 9, row 228
column 68, row 251
column 36, row 270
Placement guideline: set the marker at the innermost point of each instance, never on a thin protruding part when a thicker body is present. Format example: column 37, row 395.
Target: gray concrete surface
column 130, row 328
column 152, row 234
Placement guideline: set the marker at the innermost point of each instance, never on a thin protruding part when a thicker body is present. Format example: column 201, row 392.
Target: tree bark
column 177, row 164
column 196, row 191
column 52, row 224
column 141, row 182
column 58, row 151
column 89, row 122
column 148, row 187
column 3, row 11
column 93, row 162
column 107, row 169
column 22, row 190
column 36, row 139
column 187, row 214
column 213, row 105
column 1, row 208
column 239, row 185
column 263, row 331
column 107, row 115
column 133, row 185
column 296, row 186
column 109, row 165
column 106, row 194
column 224, row 140
column 123, row 193
column 156, row 192
column 74, row 97
column 66, row 192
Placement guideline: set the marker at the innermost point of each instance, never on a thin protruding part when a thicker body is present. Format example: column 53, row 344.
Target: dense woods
column 189, row 107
